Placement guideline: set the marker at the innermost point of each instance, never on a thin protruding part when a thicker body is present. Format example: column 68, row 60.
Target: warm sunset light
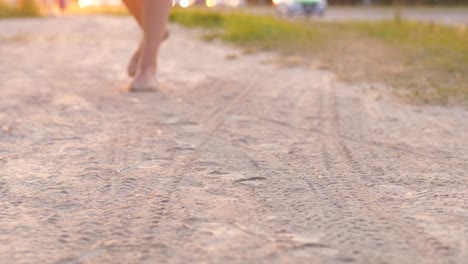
column 184, row 3
column 85, row 3
column 276, row 2
column 211, row 3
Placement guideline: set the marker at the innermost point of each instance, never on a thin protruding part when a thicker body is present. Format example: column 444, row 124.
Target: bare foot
column 145, row 81
column 133, row 65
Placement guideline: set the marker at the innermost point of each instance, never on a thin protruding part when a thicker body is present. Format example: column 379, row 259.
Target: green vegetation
column 428, row 62
column 28, row 9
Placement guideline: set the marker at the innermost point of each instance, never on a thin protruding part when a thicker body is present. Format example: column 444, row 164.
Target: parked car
column 300, row 7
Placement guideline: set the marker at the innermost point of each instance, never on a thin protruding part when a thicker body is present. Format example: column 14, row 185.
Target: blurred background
column 234, row 3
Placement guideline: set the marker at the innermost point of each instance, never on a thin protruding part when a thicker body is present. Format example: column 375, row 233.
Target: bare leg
column 135, row 7
column 154, row 16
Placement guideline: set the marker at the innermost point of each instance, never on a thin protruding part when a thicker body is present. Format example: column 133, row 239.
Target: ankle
column 147, row 70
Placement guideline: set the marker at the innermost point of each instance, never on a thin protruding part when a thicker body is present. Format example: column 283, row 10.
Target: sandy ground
column 238, row 159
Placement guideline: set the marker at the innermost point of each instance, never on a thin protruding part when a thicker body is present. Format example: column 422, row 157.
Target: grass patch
column 28, row 9
column 425, row 62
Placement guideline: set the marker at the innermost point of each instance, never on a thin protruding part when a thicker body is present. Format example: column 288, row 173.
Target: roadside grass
column 422, row 61
column 28, row 9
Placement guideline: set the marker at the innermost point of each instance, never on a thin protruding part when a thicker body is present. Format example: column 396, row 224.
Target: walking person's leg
column 135, row 7
column 154, row 16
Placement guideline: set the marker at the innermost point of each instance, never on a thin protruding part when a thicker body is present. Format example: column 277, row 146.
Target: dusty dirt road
column 236, row 160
